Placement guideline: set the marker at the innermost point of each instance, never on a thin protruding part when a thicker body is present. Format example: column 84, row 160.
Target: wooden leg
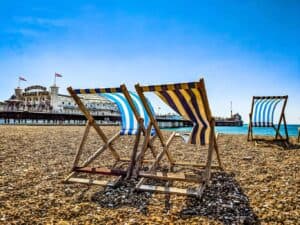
column 210, row 154
column 218, row 154
column 152, row 148
column 141, row 155
column 250, row 127
column 133, row 155
column 83, row 140
column 285, row 129
column 277, row 132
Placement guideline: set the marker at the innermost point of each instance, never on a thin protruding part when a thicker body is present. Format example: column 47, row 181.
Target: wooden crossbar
column 97, row 90
column 101, row 170
column 270, row 97
column 169, row 190
column 171, row 176
column 174, row 86
column 91, row 181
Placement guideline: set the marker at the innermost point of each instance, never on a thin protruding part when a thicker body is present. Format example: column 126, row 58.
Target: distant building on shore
column 233, row 120
column 38, row 98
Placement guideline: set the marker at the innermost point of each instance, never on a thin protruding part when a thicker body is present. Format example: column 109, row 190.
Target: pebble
column 259, row 185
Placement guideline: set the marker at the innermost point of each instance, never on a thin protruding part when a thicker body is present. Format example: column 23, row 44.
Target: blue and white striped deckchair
column 263, row 111
column 191, row 102
column 132, row 115
column 130, row 124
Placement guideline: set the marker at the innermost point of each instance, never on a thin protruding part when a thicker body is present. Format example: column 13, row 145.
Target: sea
column 292, row 129
column 265, row 131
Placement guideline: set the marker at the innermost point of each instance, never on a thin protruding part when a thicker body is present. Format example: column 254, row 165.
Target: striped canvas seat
column 129, row 123
column 263, row 111
column 262, row 114
column 187, row 100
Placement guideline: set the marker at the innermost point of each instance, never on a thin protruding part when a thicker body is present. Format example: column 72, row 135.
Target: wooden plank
column 270, row 97
column 171, row 176
column 170, row 190
column 180, row 163
column 171, row 86
column 101, row 170
column 128, row 160
column 91, row 181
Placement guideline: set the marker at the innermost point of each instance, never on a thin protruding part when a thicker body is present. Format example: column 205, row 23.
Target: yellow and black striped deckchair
column 134, row 122
column 190, row 101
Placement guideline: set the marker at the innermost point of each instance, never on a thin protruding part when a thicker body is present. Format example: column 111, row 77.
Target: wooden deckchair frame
column 278, row 136
column 153, row 174
column 107, row 144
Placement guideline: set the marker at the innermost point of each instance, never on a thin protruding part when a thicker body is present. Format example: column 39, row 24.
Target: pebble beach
column 260, row 184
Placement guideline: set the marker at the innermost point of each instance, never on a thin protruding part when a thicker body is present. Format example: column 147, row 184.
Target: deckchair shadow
column 263, row 142
column 223, row 200
column 123, row 195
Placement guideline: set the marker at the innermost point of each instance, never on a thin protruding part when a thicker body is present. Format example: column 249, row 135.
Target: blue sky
column 241, row 48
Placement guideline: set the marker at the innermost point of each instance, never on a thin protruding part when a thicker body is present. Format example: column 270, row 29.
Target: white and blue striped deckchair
column 263, row 112
column 134, row 122
column 190, row 101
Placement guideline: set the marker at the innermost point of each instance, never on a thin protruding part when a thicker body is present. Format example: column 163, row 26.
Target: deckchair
column 190, row 101
column 134, row 122
column 262, row 115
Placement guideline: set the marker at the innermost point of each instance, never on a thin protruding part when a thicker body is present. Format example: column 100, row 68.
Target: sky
column 240, row 48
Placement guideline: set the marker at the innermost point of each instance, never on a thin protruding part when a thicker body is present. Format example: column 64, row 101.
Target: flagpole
column 18, row 82
column 54, row 79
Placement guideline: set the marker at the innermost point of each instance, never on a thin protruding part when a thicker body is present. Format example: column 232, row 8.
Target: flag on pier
column 58, row 75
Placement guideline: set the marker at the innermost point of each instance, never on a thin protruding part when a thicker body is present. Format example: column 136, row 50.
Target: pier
column 50, row 118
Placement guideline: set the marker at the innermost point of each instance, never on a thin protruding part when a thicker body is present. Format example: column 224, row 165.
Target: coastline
column 36, row 159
